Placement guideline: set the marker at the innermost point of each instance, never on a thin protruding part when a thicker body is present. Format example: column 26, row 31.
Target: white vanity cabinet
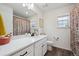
column 29, row 51
column 41, row 47
column 37, row 48
column 44, row 48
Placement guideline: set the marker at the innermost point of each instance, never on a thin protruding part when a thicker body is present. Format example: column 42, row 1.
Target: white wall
column 50, row 28
column 7, row 14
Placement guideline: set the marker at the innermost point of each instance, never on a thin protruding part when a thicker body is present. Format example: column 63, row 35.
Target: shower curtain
column 74, row 29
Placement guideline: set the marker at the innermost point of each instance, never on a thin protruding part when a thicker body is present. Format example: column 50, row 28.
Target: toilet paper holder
column 56, row 38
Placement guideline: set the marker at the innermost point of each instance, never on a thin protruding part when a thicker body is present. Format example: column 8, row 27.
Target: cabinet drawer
column 25, row 51
column 30, row 54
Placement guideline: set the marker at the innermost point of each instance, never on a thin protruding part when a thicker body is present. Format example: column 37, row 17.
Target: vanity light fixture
column 23, row 4
column 30, row 6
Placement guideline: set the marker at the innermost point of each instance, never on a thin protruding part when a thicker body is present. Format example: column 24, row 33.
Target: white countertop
column 17, row 44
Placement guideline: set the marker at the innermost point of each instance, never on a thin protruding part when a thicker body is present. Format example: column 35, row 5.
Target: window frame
column 65, row 25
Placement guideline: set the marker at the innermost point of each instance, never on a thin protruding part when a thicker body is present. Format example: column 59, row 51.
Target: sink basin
column 4, row 40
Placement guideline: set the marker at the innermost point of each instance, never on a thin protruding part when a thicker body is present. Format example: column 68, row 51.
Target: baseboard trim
column 63, row 49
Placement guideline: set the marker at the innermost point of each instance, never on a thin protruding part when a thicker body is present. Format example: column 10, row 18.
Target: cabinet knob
column 42, row 45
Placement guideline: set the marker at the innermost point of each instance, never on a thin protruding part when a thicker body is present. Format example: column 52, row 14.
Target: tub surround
column 18, row 44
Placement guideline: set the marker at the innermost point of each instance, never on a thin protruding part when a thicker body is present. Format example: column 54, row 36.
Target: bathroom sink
column 4, row 40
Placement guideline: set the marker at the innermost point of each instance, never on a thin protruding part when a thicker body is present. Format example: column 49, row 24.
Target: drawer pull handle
column 24, row 54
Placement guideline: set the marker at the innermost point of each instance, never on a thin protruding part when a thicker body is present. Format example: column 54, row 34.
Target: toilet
column 49, row 45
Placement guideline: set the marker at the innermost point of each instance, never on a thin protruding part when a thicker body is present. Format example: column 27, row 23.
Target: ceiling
column 43, row 7
column 19, row 10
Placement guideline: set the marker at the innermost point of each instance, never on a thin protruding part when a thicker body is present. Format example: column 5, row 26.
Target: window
column 62, row 21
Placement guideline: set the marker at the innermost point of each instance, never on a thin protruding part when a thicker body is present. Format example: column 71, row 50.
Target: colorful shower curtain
column 20, row 26
column 74, row 29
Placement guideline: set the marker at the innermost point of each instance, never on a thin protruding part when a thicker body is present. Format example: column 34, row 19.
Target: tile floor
column 59, row 52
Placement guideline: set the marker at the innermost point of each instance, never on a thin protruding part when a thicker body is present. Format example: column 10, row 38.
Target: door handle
column 24, row 54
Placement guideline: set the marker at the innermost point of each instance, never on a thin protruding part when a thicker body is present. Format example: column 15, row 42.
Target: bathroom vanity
column 27, row 46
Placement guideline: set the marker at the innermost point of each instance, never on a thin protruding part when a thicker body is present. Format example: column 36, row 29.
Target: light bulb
column 23, row 4
column 26, row 12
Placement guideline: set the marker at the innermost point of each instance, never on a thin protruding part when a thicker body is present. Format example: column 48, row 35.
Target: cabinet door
column 44, row 49
column 38, row 49
column 41, row 47
column 44, row 46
